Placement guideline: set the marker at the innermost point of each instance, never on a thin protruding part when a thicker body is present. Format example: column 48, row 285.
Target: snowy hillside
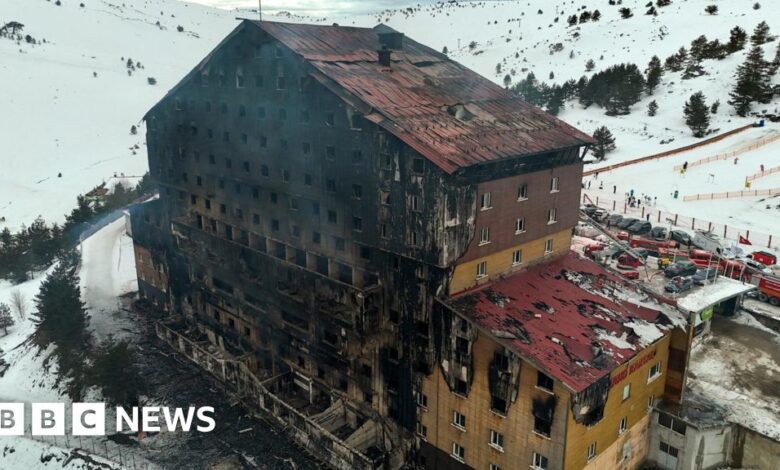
column 61, row 118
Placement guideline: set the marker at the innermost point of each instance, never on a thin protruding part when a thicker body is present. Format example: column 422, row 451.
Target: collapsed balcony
column 326, row 427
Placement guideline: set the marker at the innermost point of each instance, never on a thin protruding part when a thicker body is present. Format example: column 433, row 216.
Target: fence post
column 643, row 212
column 725, row 227
column 693, row 223
column 625, row 208
column 709, row 227
column 769, row 243
column 614, row 204
column 675, row 218
column 747, row 235
column 659, row 216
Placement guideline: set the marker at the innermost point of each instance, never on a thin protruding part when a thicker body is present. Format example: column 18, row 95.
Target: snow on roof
column 710, row 294
column 570, row 317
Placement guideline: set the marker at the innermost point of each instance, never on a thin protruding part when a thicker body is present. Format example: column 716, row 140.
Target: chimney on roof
column 384, row 56
column 390, row 38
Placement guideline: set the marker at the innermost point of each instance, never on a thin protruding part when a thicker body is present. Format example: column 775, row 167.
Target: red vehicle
column 769, row 289
column 629, row 273
column 623, row 235
column 733, row 269
column 628, row 261
column 655, row 245
column 703, row 259
column 593, row 247
column 763, row 257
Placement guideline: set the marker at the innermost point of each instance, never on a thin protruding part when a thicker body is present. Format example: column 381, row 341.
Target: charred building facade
column 332, row 199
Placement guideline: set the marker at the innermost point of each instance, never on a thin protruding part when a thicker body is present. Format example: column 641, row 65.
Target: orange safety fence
column 732, row 194
column 667, row 153
column 656, row 216
column 761, row 174
column 733, row 153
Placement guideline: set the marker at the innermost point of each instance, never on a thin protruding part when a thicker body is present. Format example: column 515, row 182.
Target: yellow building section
column 468, row 274
column 632, row 389
column 516, row 428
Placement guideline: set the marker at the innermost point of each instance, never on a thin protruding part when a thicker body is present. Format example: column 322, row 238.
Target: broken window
column 461, row 387
column 357, row 157
column 418, row 165
column 543, row 410
column 485, row 201
column 414, row 203
column 330, row 119
column 332, row 218
column 544, row 381
column 330, row 152
column 383, row 230
column 674, row 424
column 522, row 192
column 316, row 237
column 281, row 83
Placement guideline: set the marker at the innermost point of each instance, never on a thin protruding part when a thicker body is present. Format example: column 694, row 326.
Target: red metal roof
column 572, row 318
column 417, row 97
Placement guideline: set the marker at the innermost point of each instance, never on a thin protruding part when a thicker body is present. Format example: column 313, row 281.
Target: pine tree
column 555, row 100
column 760, row 34
column 711, row 9
column 605, row 143
column 590, row 65
column 596, row 15
column 6, row 320
column 61, row 319
column 737, row 40
column 693, row 68
column 677, row 61
column 530, row 90
column 652, row 108
column 626, row 13
column 115, row 370
column 653, row 73
column 752, row 82
column 697, row 114
column 715, row 106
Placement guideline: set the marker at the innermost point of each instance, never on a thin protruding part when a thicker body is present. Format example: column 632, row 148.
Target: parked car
column 763, row 257
column 658, row 233
column 614, row 219
column 626, row 222
column 679, row 284
column 760, row 267
column 640, row 227
column 680, row 268
column 703, row 275
column 589, row 209
column 600, row 215
column 680, row 237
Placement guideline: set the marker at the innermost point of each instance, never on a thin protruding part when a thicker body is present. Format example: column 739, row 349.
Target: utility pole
column 260, row 9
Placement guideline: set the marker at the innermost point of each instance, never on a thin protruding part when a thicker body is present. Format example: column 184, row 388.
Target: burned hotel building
column 372, row 242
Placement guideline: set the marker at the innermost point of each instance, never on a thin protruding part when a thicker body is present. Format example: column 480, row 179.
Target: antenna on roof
column 260, row 9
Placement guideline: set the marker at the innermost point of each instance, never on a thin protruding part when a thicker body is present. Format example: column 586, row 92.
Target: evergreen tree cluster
column 615, row 89
column 753, row 82
column 34, row 248
column 30, row 249
column 604, row 144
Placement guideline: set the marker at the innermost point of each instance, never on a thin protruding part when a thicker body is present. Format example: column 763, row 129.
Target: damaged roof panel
column 579, row 321
column 445, row 111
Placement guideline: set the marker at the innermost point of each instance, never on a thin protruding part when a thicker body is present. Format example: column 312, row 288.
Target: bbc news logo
column 89, row 419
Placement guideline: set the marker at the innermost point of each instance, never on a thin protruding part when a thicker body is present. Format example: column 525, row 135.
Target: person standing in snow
column 685, row 166
column 588, row 184
column 614, row 189
column 601, row 185
column 736, row 159
column 762, row 168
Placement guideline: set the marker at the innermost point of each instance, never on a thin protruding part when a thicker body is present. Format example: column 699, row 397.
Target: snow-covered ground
column 738, row 367
column 658, row 179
